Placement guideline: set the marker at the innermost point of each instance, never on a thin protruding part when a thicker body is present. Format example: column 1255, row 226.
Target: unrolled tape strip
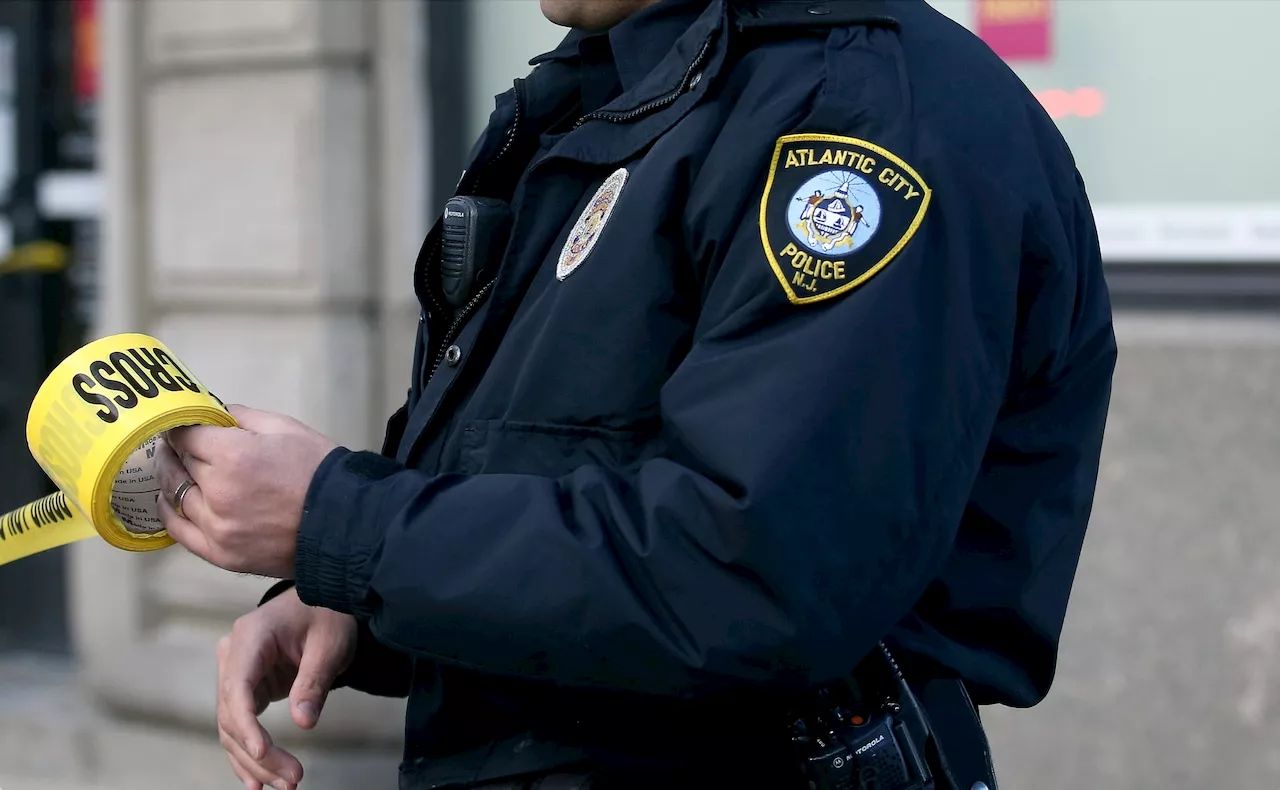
column 93, row 428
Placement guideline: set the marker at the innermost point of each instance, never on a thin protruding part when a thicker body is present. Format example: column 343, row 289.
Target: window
column 1168, row 107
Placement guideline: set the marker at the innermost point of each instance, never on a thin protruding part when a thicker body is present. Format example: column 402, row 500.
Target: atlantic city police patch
column 587, row 229
column 835, row 211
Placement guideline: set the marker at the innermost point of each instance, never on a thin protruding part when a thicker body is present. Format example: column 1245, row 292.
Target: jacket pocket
column 553, row 449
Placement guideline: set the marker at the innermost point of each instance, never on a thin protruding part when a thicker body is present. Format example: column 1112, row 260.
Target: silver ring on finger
column 179, row 494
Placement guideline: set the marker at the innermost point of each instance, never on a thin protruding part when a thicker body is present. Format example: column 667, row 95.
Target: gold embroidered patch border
column 835, row 211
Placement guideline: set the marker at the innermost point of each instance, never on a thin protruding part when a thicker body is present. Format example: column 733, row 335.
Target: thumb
column 321, row 661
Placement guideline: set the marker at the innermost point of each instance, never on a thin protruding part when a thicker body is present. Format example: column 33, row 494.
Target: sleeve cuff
column 339, row 536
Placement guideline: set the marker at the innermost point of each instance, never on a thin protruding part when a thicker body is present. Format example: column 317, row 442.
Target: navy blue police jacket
column 800, row 342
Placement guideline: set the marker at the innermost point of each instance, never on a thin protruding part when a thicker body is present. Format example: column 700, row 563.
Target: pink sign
column 1017, row 30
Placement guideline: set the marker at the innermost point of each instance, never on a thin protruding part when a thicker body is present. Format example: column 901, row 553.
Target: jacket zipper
column 463, row 314
column 475, row 182
column 510, row 140
column 472, row 180
column 616, row 116
column 477, row 178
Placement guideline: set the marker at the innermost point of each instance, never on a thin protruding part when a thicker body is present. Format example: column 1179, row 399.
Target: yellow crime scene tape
column 93, row 428
column 43, row 257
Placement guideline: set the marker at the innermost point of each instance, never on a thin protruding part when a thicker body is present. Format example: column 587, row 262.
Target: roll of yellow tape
column 93, row 429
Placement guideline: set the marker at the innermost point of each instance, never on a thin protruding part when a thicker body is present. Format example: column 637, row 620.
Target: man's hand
column 282, row 649
column 242, row 514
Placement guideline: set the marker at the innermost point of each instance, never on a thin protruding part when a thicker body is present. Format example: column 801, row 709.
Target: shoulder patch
column 835, row 211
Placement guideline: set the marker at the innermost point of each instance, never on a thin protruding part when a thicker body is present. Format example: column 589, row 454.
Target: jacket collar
column 642, row 41
column 647, row 45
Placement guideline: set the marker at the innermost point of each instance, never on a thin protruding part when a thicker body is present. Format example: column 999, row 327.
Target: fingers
column 208, row 443
column 166, row 456
column 243, row 774
column 186, row 528
column 322, row 659
column 242, row 769
column 239, row 713
column 256, row 420
column 185, row 532
column 252, row 775
column 277, row 768
column 247, row 663
column 243, row 659
column 169, row 470
column 170, row 473
column 285, row 766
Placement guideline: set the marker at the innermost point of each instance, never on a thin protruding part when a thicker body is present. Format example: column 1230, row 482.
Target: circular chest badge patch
column 835, row 211
column 590, row 223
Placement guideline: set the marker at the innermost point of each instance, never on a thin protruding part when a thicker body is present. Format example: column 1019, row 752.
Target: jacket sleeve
column 995, row 614
column 375, row 669
column 818, row 459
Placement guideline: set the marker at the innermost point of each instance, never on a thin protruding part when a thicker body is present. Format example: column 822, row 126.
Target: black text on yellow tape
column 44, row 524
column 93, row 429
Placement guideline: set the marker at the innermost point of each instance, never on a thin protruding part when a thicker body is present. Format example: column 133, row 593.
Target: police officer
column 793, row 340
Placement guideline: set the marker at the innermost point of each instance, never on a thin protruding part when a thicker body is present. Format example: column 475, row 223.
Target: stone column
column 264, row 177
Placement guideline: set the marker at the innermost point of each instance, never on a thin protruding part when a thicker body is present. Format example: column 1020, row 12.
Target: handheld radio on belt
column 872, row 732
column 93, row 428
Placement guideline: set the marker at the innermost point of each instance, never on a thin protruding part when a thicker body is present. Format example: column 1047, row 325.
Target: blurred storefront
column 48, row 261
column 250, row 181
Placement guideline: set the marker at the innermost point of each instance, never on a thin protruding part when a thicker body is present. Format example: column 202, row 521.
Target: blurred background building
column 249, row 180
